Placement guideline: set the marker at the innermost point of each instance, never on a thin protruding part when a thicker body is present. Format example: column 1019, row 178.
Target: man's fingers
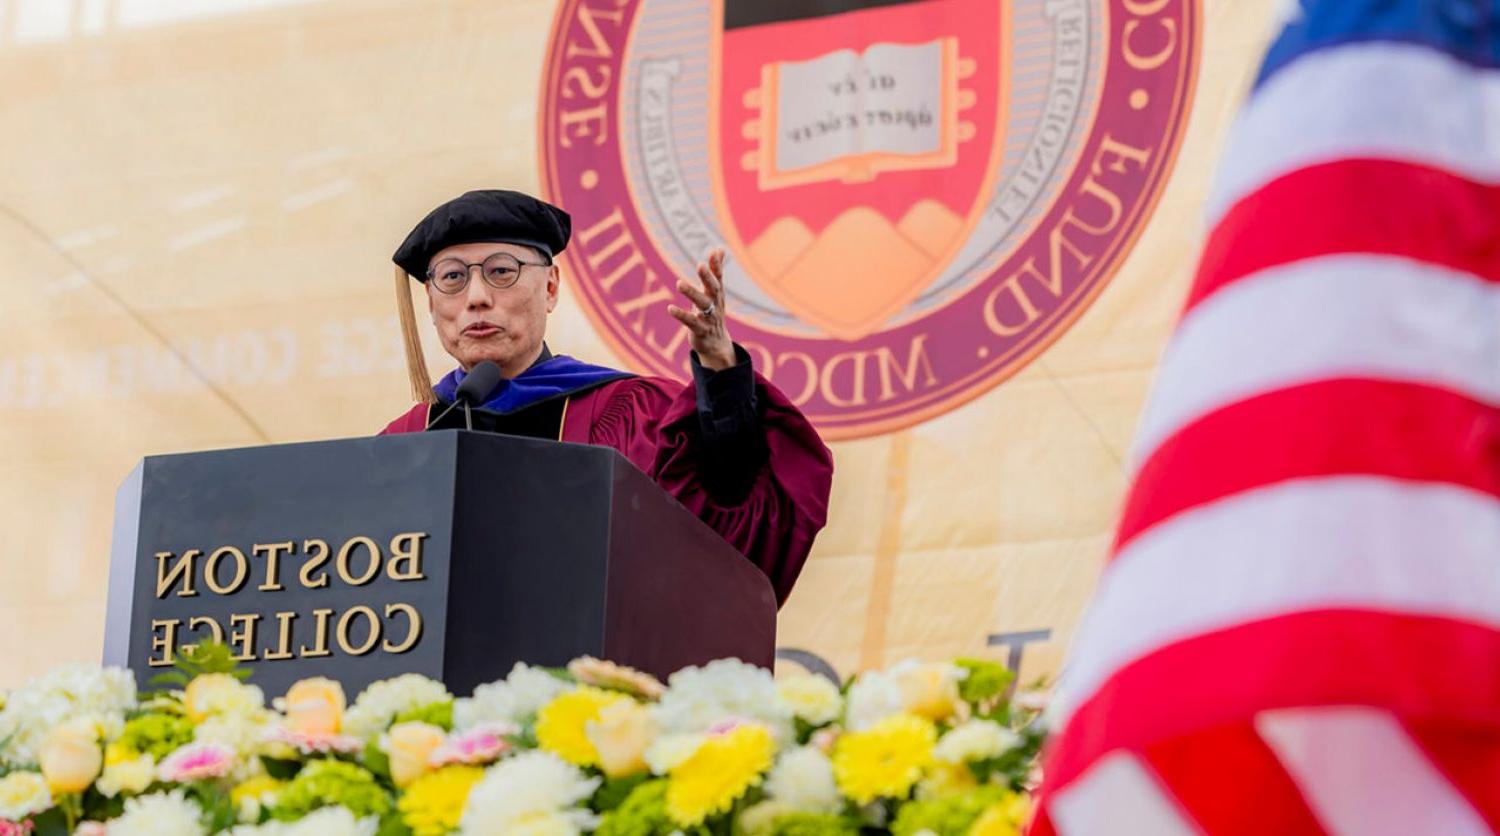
column 696, row 296
column 691, row 319
column 711, row 284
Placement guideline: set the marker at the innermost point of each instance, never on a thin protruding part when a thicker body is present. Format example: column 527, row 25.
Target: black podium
column 452, row 554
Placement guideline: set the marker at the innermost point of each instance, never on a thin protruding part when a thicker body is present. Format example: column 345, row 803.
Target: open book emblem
column 854, row 152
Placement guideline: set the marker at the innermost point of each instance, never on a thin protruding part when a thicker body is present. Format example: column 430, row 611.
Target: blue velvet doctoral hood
column 553, row 377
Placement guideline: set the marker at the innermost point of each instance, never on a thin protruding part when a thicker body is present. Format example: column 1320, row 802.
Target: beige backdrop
column 197, row 203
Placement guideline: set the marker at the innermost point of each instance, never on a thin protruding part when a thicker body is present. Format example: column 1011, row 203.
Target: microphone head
column 479, row 383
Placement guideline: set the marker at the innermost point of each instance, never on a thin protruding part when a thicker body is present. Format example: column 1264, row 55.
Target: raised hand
column 707, row 331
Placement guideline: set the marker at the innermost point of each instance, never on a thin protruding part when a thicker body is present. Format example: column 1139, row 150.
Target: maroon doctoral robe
column 652, row 421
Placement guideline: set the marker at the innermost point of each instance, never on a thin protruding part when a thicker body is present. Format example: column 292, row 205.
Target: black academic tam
column 497, row 215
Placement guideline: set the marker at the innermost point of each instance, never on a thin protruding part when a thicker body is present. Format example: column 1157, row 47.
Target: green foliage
column 323, row 783
column 643, row 813
column 282, row 769
column 219, row 812
column 804, row 730
column 157, row 734
column 439, row 714
column 1014, row 765
column 948, row 816
column 376, row 760
column 194, row 660
column 614, row 791
column 98, row 807
column 391, row 824
column 52, row 822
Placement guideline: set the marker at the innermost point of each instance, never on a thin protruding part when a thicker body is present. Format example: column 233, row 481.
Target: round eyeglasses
column 500, row 271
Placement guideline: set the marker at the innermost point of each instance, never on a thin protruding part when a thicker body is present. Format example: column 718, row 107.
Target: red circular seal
column 917, row 196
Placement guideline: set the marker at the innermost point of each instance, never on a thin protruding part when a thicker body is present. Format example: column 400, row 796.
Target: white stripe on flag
column 1363, row 101
column 1333, row 542
column 1376, row 317
column 1361, row 773
column 1117, row 796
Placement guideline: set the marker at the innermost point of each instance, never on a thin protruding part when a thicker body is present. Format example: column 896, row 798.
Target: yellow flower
column 621, row 735
column 409, row 746
column 885, row 760
column 1007, row 818
column 946, row 779
column 561, row 725
column 315, row 706
column 250, row 796
column 930, row 690
column 71, row 756
column 125, row 770
column 711, row 779
column 434, row 803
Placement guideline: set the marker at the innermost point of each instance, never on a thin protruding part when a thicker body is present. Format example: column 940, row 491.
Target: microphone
column 478, row 384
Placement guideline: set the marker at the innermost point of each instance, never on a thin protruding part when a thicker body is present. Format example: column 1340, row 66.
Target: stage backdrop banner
column 959, row 234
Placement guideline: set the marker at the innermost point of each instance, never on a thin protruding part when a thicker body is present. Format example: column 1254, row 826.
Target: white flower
column 532, row 792
column 874, row 696
column 383, row 701
column 68, row 692
column 245, row 734
column 511, row 700
column 159, row 814
column 760, row 819
column 813, row 698
column 803, row 780
column 324, row 821
column 697, row 699
column 22, row 794
column 975, row 740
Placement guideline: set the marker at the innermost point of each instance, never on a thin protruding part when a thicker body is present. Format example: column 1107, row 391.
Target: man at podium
column 729, row 446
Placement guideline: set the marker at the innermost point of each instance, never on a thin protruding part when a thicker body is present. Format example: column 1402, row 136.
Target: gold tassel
column 416, row 364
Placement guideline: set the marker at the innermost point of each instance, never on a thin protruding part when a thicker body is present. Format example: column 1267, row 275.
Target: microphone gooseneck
column 476, row 388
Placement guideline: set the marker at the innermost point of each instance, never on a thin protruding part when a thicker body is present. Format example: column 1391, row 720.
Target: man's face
column 483, row 323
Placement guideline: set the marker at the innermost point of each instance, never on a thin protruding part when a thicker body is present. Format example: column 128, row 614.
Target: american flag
column 1298, row 630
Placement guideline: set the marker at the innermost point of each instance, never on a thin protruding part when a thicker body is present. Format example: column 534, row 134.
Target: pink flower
column 89, row 828
column 481, row 744
column 315, row 743
column 196, row 762
column 19, row 828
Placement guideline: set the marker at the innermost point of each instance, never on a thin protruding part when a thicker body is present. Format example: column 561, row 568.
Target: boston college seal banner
column 918, row 196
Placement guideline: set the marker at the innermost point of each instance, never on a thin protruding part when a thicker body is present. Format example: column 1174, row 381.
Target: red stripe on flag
column 1355, row 206
column 1420, row 667
column 1231, row 782
column 1469, row 757
column 1330, row 427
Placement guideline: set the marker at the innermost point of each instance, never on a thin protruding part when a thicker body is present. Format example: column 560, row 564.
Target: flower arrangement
column 594, row 748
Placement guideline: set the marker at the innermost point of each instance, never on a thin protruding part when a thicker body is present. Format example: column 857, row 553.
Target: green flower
column 438, row 714
column 948, row 816
column 769, row 820
column 986, row 680
column 157, row 734
column 326, row 783
column 643, row 813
